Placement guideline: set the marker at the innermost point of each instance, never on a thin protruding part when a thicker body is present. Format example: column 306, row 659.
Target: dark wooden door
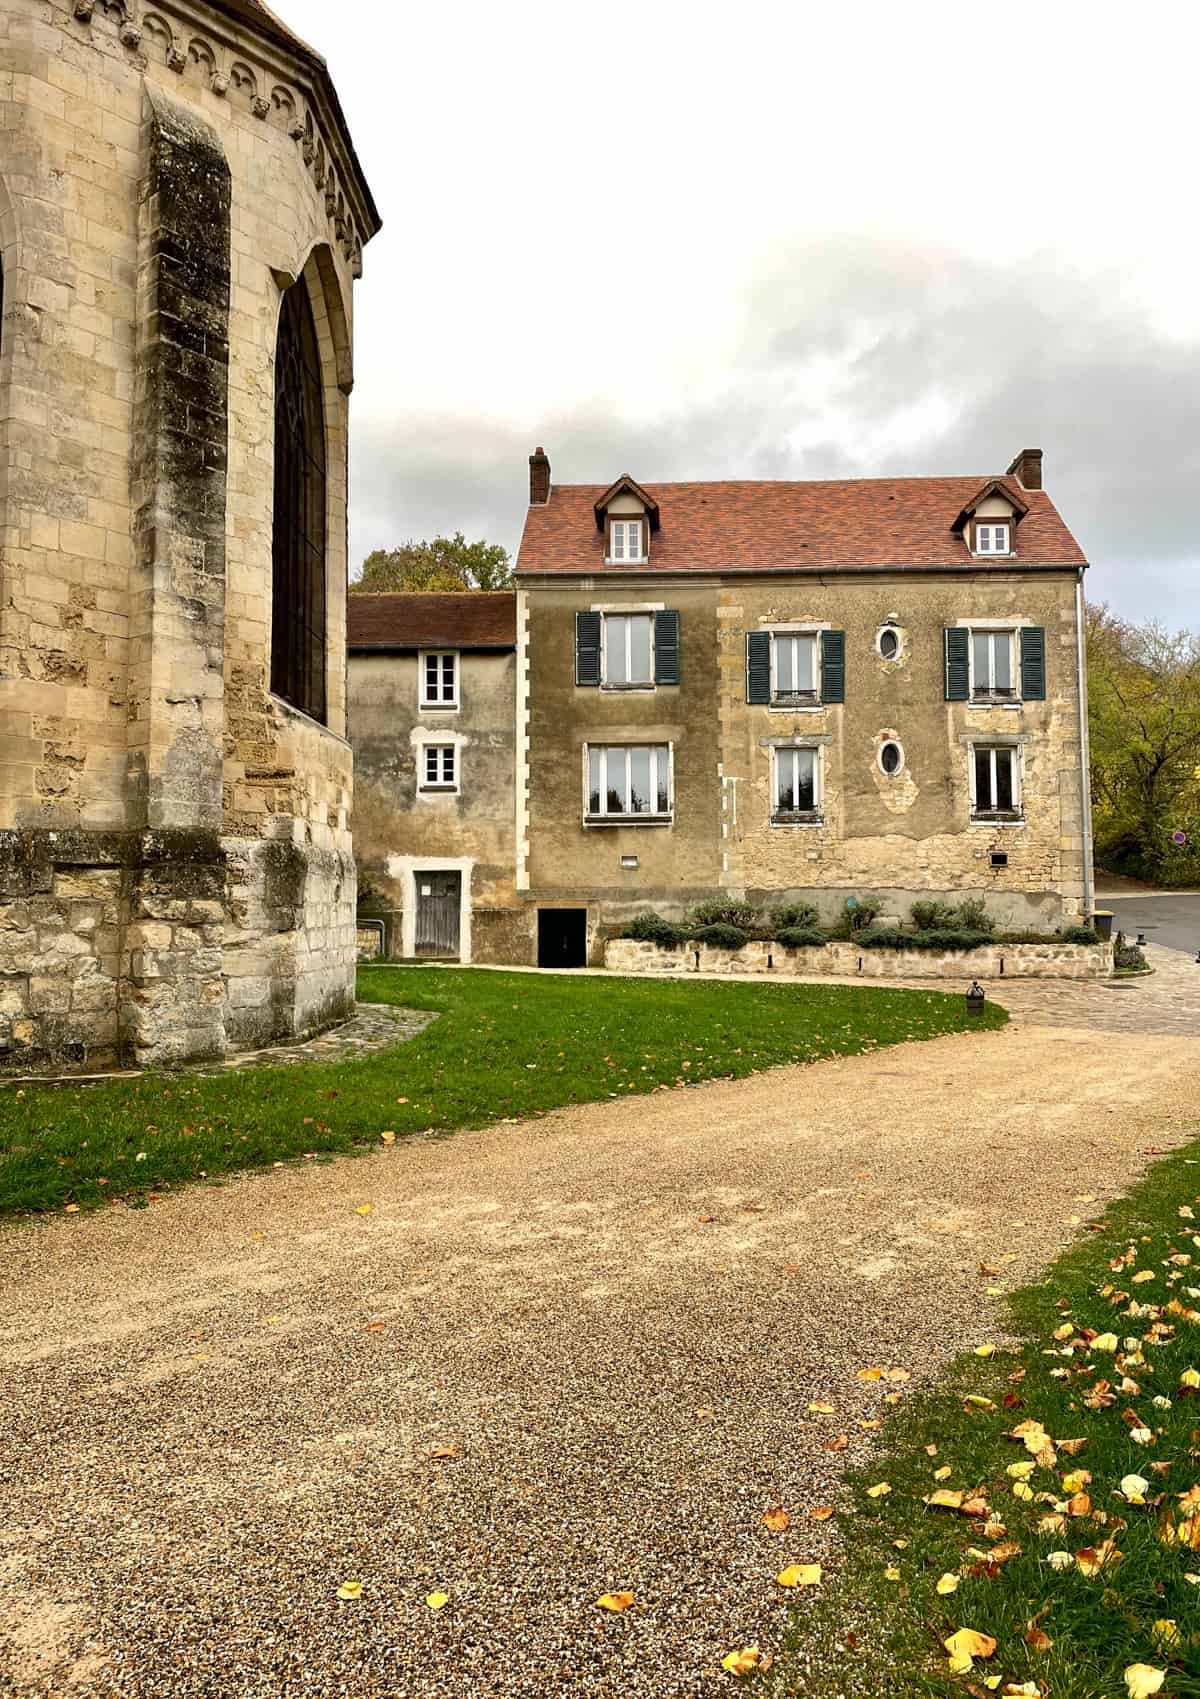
column 562, row 937
column 438, row 903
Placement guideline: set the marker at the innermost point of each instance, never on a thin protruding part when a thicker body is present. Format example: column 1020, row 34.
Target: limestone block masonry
column 176, row 872
column 850, row 960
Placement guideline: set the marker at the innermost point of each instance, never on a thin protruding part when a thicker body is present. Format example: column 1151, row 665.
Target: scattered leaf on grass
column 799, row 1575
column 1142, row 1680
column 389, row 1138
column 880, row 1489
column 966, row 1644
column 947, row 1583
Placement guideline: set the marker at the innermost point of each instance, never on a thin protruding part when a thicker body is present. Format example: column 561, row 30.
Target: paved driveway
column 215, row 1412
column 1169, row 918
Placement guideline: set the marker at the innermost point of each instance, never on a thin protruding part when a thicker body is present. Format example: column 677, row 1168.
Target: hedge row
column 727, row 935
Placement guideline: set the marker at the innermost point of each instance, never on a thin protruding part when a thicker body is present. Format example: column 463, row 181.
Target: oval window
column 891, row 758
column 889, row 643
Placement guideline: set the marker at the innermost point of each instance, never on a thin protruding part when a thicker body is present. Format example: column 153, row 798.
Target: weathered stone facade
column 176, row 875
column 404, row 825
column 851, row 961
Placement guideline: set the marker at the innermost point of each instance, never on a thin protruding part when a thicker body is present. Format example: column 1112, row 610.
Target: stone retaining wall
column 994, row 961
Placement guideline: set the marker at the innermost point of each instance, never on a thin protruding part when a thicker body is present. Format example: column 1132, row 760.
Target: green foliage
column 794, row 914
column 931, row 914
column 1081, row 935
column 651, row 928
column 504, row 1045
column 1127, row 956
column 930, row 938
column 857, row 919
column 887, row 938
column 970, row 915
column 721, row 936
column 1144, row 728
column 439, row 563
column 718, row 913
column 800, row 937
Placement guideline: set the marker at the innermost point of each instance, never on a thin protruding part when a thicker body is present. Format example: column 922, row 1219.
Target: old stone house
column 182, row 217
column 797, row 691
column 432, row 693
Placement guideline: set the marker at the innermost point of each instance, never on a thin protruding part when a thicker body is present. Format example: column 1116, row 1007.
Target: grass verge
column 505, row 1046
column 1070, row 1463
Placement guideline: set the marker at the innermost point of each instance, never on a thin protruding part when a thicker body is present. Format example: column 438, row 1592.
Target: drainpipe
column 1085, row 762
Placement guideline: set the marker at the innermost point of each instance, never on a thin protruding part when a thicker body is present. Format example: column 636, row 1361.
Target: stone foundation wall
column 996, row 961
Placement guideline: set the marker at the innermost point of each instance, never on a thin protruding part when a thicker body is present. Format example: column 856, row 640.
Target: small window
column 891, row 758
column 991, row 539
column 793, row 667
column 889, row 643
column 629, row 781
column 441, row 772
column 996, row 772
column 627, row 651
column 992, row 670
column 797, row 784
column 625, row 540
column 439, row 679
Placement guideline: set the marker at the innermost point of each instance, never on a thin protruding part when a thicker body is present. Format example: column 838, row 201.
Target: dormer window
column 625, row 541
column 992, row 539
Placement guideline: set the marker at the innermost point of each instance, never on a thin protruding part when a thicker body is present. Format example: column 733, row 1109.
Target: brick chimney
column 539, row 478
column 1028, row 468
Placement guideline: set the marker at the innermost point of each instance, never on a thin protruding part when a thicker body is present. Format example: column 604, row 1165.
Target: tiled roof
column 746, row 527
column 402, row 619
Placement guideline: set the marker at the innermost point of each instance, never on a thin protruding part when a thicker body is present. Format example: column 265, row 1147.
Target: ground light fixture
column 975, row 998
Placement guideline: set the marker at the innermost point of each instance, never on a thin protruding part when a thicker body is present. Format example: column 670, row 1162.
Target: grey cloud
column 1000, row 356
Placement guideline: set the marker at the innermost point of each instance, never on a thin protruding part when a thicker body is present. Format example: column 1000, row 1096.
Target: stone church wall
column 176, row 875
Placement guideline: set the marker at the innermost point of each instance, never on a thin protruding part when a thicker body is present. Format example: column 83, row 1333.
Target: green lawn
column 1108, row 1353
column 505, row 1045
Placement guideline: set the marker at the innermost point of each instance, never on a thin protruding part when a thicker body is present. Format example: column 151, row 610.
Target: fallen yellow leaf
column 363, row 1209
column 1142, row 1680
column 820, row 1409
column 985, row 1350
column 387, row 1138
column 870, row 1374
column 891, row 1574
column 435, row 1601
column 799, row 1575
column 821, row 1512
column 350, row 1590
column 777, row 1519
column 947, row 1583
column 944, row 1473
column 615, row 1601
column 880, row 1490
column 741, row 1663
column 966, row 1644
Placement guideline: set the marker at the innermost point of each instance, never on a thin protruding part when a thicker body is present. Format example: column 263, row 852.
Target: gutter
column 1085, row 758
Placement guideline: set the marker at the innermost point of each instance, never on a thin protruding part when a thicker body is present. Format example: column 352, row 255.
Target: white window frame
column 991, row 816
column 794, row 817
column 991, row 528
column 659, row 751
column 626, row 614
column 792, row 634
column 440, row 704
column 992, row 633
column 441, row 784
column 624, row 557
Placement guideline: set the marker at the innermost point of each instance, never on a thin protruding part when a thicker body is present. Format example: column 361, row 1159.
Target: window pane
column 981, row 660
column 639, row 779
column 635, row 540
column 806, row 654
column 664, row 799
column 618, row 538
column 806, row 774
column 983, row 779
column 615, row 797
column 447, row 678
column 1004, row 778
column 615, row 632
column 1002, row 654
column 430, row 766
column 431, row 678
column 448, row 765
column 594, row 781
column 785, row 666
column 639, row 649
column 785, row 778
column 1000, row 539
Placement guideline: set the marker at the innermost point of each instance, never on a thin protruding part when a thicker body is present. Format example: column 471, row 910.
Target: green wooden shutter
column 1033, row 663
column 587, row 648
column 958, row 663
column 666, row 646
column 833, row 666
column 758, row 666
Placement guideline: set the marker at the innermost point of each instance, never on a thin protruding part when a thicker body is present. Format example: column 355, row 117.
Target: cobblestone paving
column 1165, row 1001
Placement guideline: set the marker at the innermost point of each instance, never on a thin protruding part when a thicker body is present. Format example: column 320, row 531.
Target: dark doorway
column 438, row 903
column 562, row 937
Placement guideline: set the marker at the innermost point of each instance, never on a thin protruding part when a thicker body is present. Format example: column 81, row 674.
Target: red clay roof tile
column 403, row 619
column 863, row 523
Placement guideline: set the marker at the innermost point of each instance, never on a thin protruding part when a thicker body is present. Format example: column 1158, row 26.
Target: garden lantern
column 975, row 998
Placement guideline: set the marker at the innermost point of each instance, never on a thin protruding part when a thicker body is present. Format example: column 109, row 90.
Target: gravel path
column 214, row 1413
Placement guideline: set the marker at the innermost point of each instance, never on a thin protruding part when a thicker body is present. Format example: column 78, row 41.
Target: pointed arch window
column 298, row 541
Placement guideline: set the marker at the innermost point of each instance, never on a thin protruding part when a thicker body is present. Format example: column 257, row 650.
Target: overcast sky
column 695, row 241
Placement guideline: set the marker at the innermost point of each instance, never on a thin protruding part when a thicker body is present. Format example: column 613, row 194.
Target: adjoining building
column 774, row 692
column 798, row 691
column 432, row 692
column 182, row 217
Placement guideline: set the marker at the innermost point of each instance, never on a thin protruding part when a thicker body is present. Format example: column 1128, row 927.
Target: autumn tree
column 1144, row 729
column 437, row 563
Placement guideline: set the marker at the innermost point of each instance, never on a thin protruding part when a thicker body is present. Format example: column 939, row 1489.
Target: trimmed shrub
column 651, row 928
column 1027, row 937
column 721, row 936
column 742, row 915
column 793, row 915
column 1128, row 955
column 952, row 938
column 800, row 937
column 889, row 938
column 971, row 915
column 931, row 916
column 1083, row 935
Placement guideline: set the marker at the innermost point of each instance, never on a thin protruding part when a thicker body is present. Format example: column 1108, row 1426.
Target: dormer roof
column 625, row 485
column 1003, row 487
